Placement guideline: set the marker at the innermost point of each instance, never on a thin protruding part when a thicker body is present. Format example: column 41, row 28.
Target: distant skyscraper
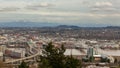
column 90, row 52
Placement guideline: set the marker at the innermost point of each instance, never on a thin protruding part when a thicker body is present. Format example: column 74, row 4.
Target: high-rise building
column 90, row 52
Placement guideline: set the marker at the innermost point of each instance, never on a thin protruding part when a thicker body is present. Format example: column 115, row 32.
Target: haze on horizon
column 67, row 12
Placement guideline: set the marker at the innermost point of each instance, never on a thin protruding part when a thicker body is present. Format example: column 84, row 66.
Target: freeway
column 21, row 59
column 25, row 58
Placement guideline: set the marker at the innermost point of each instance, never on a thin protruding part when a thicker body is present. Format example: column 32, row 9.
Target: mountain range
column 27, row 24
column 44, row 24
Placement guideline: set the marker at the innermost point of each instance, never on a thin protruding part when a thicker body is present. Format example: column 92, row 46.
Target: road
column 29, row 57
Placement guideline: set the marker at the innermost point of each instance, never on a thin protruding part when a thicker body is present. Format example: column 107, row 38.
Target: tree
column 54, row 58
column 85, row 59
column 115, row 60
column 72, row 63
column 23, row 65
column 105, row 59
column 91, row 59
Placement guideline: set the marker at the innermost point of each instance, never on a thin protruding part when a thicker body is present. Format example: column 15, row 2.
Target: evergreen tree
column 54, row 58
column 72, row 63
column 23, row 65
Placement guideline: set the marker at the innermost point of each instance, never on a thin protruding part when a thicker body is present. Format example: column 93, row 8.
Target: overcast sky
column 71, row 12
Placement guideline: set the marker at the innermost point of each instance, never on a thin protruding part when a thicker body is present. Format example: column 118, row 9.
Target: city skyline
column 66, row 12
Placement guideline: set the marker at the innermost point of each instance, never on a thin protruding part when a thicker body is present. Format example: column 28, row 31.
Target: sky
column 68, row 12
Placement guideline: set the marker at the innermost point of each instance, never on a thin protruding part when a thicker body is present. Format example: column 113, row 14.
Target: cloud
column 8, row 9
column 36, row 6
column 23, row 6
column 110, row 9
column 103, row 6
column 11, row 6
column 60, row 11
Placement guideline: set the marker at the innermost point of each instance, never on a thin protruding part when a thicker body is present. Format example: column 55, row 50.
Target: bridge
column 26, row 58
